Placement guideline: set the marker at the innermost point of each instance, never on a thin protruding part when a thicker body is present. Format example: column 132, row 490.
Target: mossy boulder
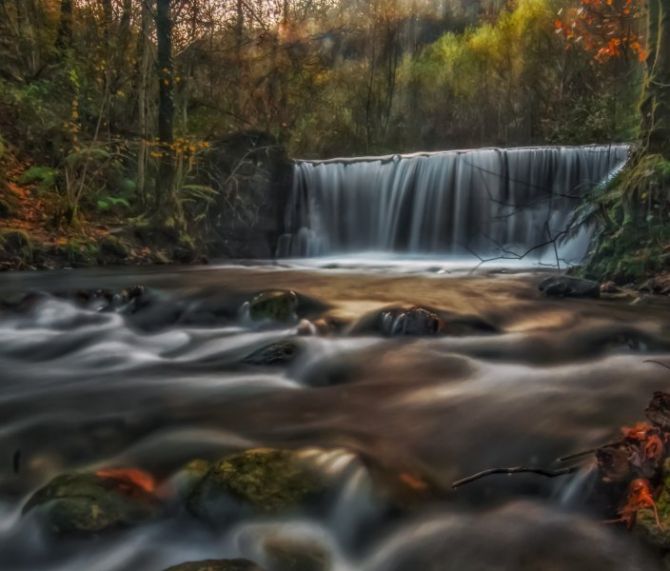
column 257, row 481
column 279, row 353
column 289, row 554
column 217, row 565
column 16, row 243
column 274, row 305
column 112, row 249
column 86, row 504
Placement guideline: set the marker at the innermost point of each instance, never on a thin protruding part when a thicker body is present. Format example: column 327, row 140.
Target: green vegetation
column 124, row 114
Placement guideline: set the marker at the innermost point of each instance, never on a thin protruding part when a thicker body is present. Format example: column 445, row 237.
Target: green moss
column 274, row 305
column 287, row 554
column 264, row 480
column 87, row 504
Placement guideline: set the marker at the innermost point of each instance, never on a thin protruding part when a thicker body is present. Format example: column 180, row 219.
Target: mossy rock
column 113, row 249
column 217, row 565
column 6, row 207
column 260, row 481
column 274, row 305
column 646, row 526
column 275, row 354
column 288, row 554
column 86, row 504
column 16, row 243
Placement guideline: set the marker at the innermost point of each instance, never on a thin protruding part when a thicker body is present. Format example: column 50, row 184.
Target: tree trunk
column 142, row 91
column 656, row 125
column 64, row 38
column 166, row 170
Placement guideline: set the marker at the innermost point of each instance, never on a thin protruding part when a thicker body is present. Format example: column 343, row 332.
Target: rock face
column 274, row 305
column 217, row 565
column 85, row 504
column 567, row 286
column 265, row 481
column 253, row 165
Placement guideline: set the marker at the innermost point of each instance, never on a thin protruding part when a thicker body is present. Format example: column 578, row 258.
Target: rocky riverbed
column 282, row 418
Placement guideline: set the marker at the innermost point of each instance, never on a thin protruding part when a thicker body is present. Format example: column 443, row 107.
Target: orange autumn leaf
column 134, row 476
column 413, row 482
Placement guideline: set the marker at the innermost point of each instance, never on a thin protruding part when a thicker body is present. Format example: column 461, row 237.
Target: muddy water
column 84, row 389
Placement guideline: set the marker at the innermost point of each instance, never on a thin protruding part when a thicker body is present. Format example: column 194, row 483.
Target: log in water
column 483, row 202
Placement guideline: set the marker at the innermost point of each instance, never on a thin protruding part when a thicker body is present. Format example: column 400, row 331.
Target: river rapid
column 84, row 387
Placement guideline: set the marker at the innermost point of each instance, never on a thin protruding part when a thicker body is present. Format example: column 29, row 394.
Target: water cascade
column 484, row 202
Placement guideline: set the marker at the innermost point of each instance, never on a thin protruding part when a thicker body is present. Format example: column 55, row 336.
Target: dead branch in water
column 515, row 470
column 665, row 365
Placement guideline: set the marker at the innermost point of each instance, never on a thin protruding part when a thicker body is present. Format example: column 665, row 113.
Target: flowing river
column 88, row 385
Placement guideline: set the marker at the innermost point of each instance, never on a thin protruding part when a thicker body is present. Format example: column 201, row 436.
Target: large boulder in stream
column 417, row 321
column 274, row 305
column 217, row 565
column 88, row 504
column 257, row 481
column 568, row 286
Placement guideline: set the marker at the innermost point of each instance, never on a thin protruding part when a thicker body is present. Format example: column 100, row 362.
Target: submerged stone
column 217, row 565
column 88, row 503
column 274, row 305
column 265, row 481
column 567, row 286
column 279, row 353
column 289, row 554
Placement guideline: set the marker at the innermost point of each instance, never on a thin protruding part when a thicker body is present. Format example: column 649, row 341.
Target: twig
column 516, row 470
column 665, row 365
column 586, row 452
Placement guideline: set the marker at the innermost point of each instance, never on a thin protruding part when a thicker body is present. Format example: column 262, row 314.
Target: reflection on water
column 85, row 387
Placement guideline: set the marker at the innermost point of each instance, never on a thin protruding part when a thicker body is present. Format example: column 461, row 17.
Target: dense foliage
column 107, row 107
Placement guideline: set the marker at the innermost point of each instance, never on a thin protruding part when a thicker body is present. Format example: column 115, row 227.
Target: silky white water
column 508, row 203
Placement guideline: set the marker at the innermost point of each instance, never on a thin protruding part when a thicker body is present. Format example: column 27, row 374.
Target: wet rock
column 217, row 565
column 415, row 321
column 85, row 504
column 274, row 305
column 265, row 481
column 420, row 321
column 659, row 285
column 289, row 554
column 567, row 286
column 610, row 288
column 306, row 328
column 279, row 353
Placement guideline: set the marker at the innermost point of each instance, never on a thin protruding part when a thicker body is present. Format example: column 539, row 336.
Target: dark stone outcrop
column 279, row 353
column 567, row 286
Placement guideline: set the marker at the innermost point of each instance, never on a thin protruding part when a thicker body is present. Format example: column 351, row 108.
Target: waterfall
column 483, row 202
